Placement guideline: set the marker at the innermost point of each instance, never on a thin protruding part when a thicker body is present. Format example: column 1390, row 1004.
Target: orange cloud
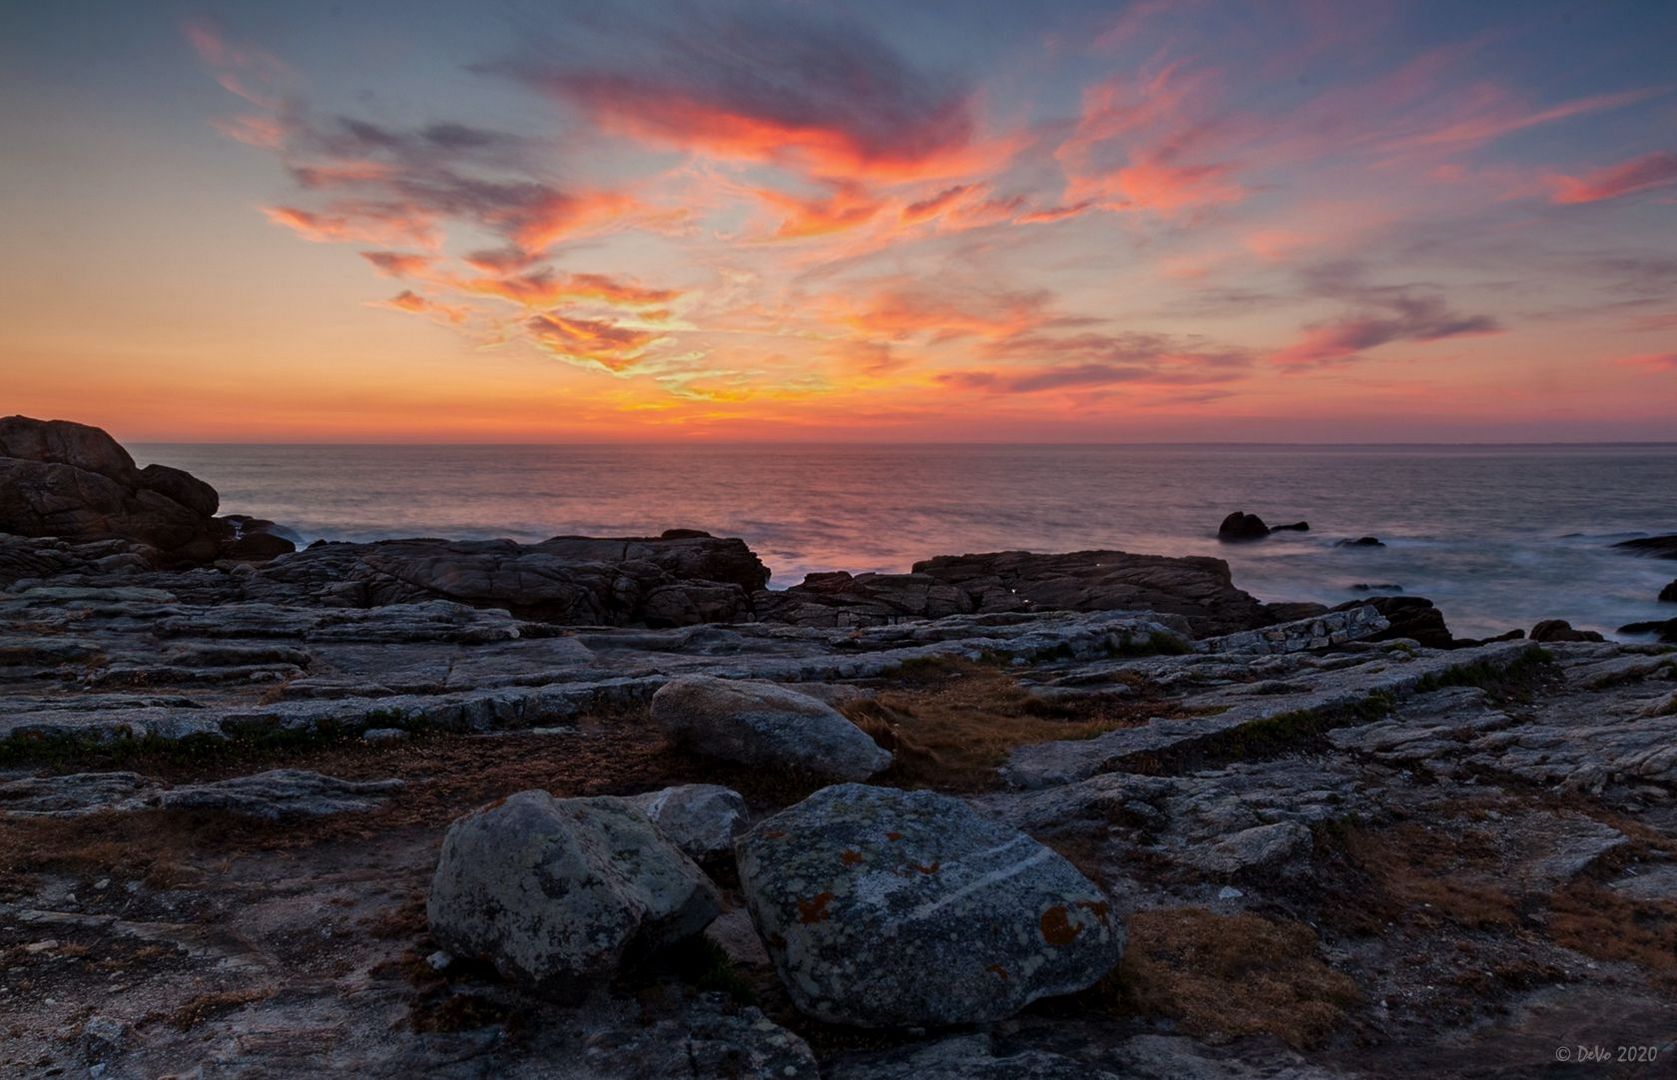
column 414, row 304
column 596, row 341
column 397, row 263
column 362, row 223
column 848, row 205
column 545, row 288
column 1616, row 181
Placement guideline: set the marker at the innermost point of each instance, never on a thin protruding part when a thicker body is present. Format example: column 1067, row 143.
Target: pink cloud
column 1616, row 181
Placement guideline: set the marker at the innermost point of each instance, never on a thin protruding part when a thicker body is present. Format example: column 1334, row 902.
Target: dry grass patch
column 1599, row 922
column 1232, row 975
column 1425, row 877
column 952, row 724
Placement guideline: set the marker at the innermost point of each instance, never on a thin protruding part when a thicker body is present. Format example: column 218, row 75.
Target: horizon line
column 915, row 442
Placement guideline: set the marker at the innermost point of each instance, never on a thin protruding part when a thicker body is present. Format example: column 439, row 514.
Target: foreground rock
column 886, row 908
column 76, row 483
column 759, row 723
column 558, row 892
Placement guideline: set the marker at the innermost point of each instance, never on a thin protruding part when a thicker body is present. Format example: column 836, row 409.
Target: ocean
column 1498, row 536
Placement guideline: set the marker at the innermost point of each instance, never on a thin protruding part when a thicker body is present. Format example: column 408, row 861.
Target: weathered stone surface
column 890, row 908
column 1319, row 632
column 1413, row 618
column 964, row 1057
column 710, row 1040
column 759, row 723
column 1378, row 679
column 271, row 796
column 700, row 819
column 557, row 892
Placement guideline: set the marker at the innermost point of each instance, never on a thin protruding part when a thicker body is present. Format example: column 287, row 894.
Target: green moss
column 1517, row 680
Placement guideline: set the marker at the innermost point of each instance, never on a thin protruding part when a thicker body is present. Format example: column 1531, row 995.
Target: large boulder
column 887, row 908
column 760, row 723
column 558, row 892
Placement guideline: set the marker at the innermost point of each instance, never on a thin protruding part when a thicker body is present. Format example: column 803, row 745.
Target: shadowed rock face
column 759, row 723
column 885, row 908
column 1199, row 589
column 1658, row 547
column 75, row 482
column 555, row 892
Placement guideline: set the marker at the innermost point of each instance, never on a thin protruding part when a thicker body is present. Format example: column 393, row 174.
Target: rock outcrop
column 1669, row 593
column 888, row 908
column 1664, row 629
column 759, row 723
column 1411, row 617
column 1199, row 589
column 559, row 892
column 76, row 483
column 1561, row 630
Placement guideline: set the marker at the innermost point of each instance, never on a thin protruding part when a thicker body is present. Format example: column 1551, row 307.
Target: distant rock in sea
column 1657, row 547
column 1240, row 526
column 1669, row 593
column 1561, row 630
column 1361, row 542
column 1666, row 629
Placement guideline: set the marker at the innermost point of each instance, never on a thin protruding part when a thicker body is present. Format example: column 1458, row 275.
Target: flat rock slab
column 271, row 796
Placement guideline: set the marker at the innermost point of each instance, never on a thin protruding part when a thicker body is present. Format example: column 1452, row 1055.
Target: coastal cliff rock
column 1197, row 588
column 555, row 892
column 76, row 483
column 888, row 908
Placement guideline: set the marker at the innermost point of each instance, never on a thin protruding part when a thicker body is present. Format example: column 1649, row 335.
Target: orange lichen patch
column 998, row 971
column 1230, row 975
column 850, row 858
column 814, row 910
column 1057, row 928
column 926, row 868
column 893, row 836
column 774, row 834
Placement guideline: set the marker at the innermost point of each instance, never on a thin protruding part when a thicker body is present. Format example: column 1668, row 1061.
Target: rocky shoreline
column 614, row 808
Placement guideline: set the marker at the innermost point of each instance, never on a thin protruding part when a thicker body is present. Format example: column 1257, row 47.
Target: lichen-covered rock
column 711, row 1040
column 700, row 819
column 885, row 908
column 760, row 723
column 555, row 892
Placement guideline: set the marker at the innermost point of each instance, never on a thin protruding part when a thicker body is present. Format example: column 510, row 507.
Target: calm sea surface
column 1498, row 536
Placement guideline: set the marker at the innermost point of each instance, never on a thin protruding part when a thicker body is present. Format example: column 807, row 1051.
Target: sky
column 1163, row 220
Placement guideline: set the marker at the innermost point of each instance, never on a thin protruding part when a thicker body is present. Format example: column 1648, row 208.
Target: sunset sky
column 526, row 222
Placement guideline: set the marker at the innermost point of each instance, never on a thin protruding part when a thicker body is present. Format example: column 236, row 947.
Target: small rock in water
column 1669, row 593
column 889, row 908
column 1366, row 587
column 1240, row 526
column 1361, row 541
